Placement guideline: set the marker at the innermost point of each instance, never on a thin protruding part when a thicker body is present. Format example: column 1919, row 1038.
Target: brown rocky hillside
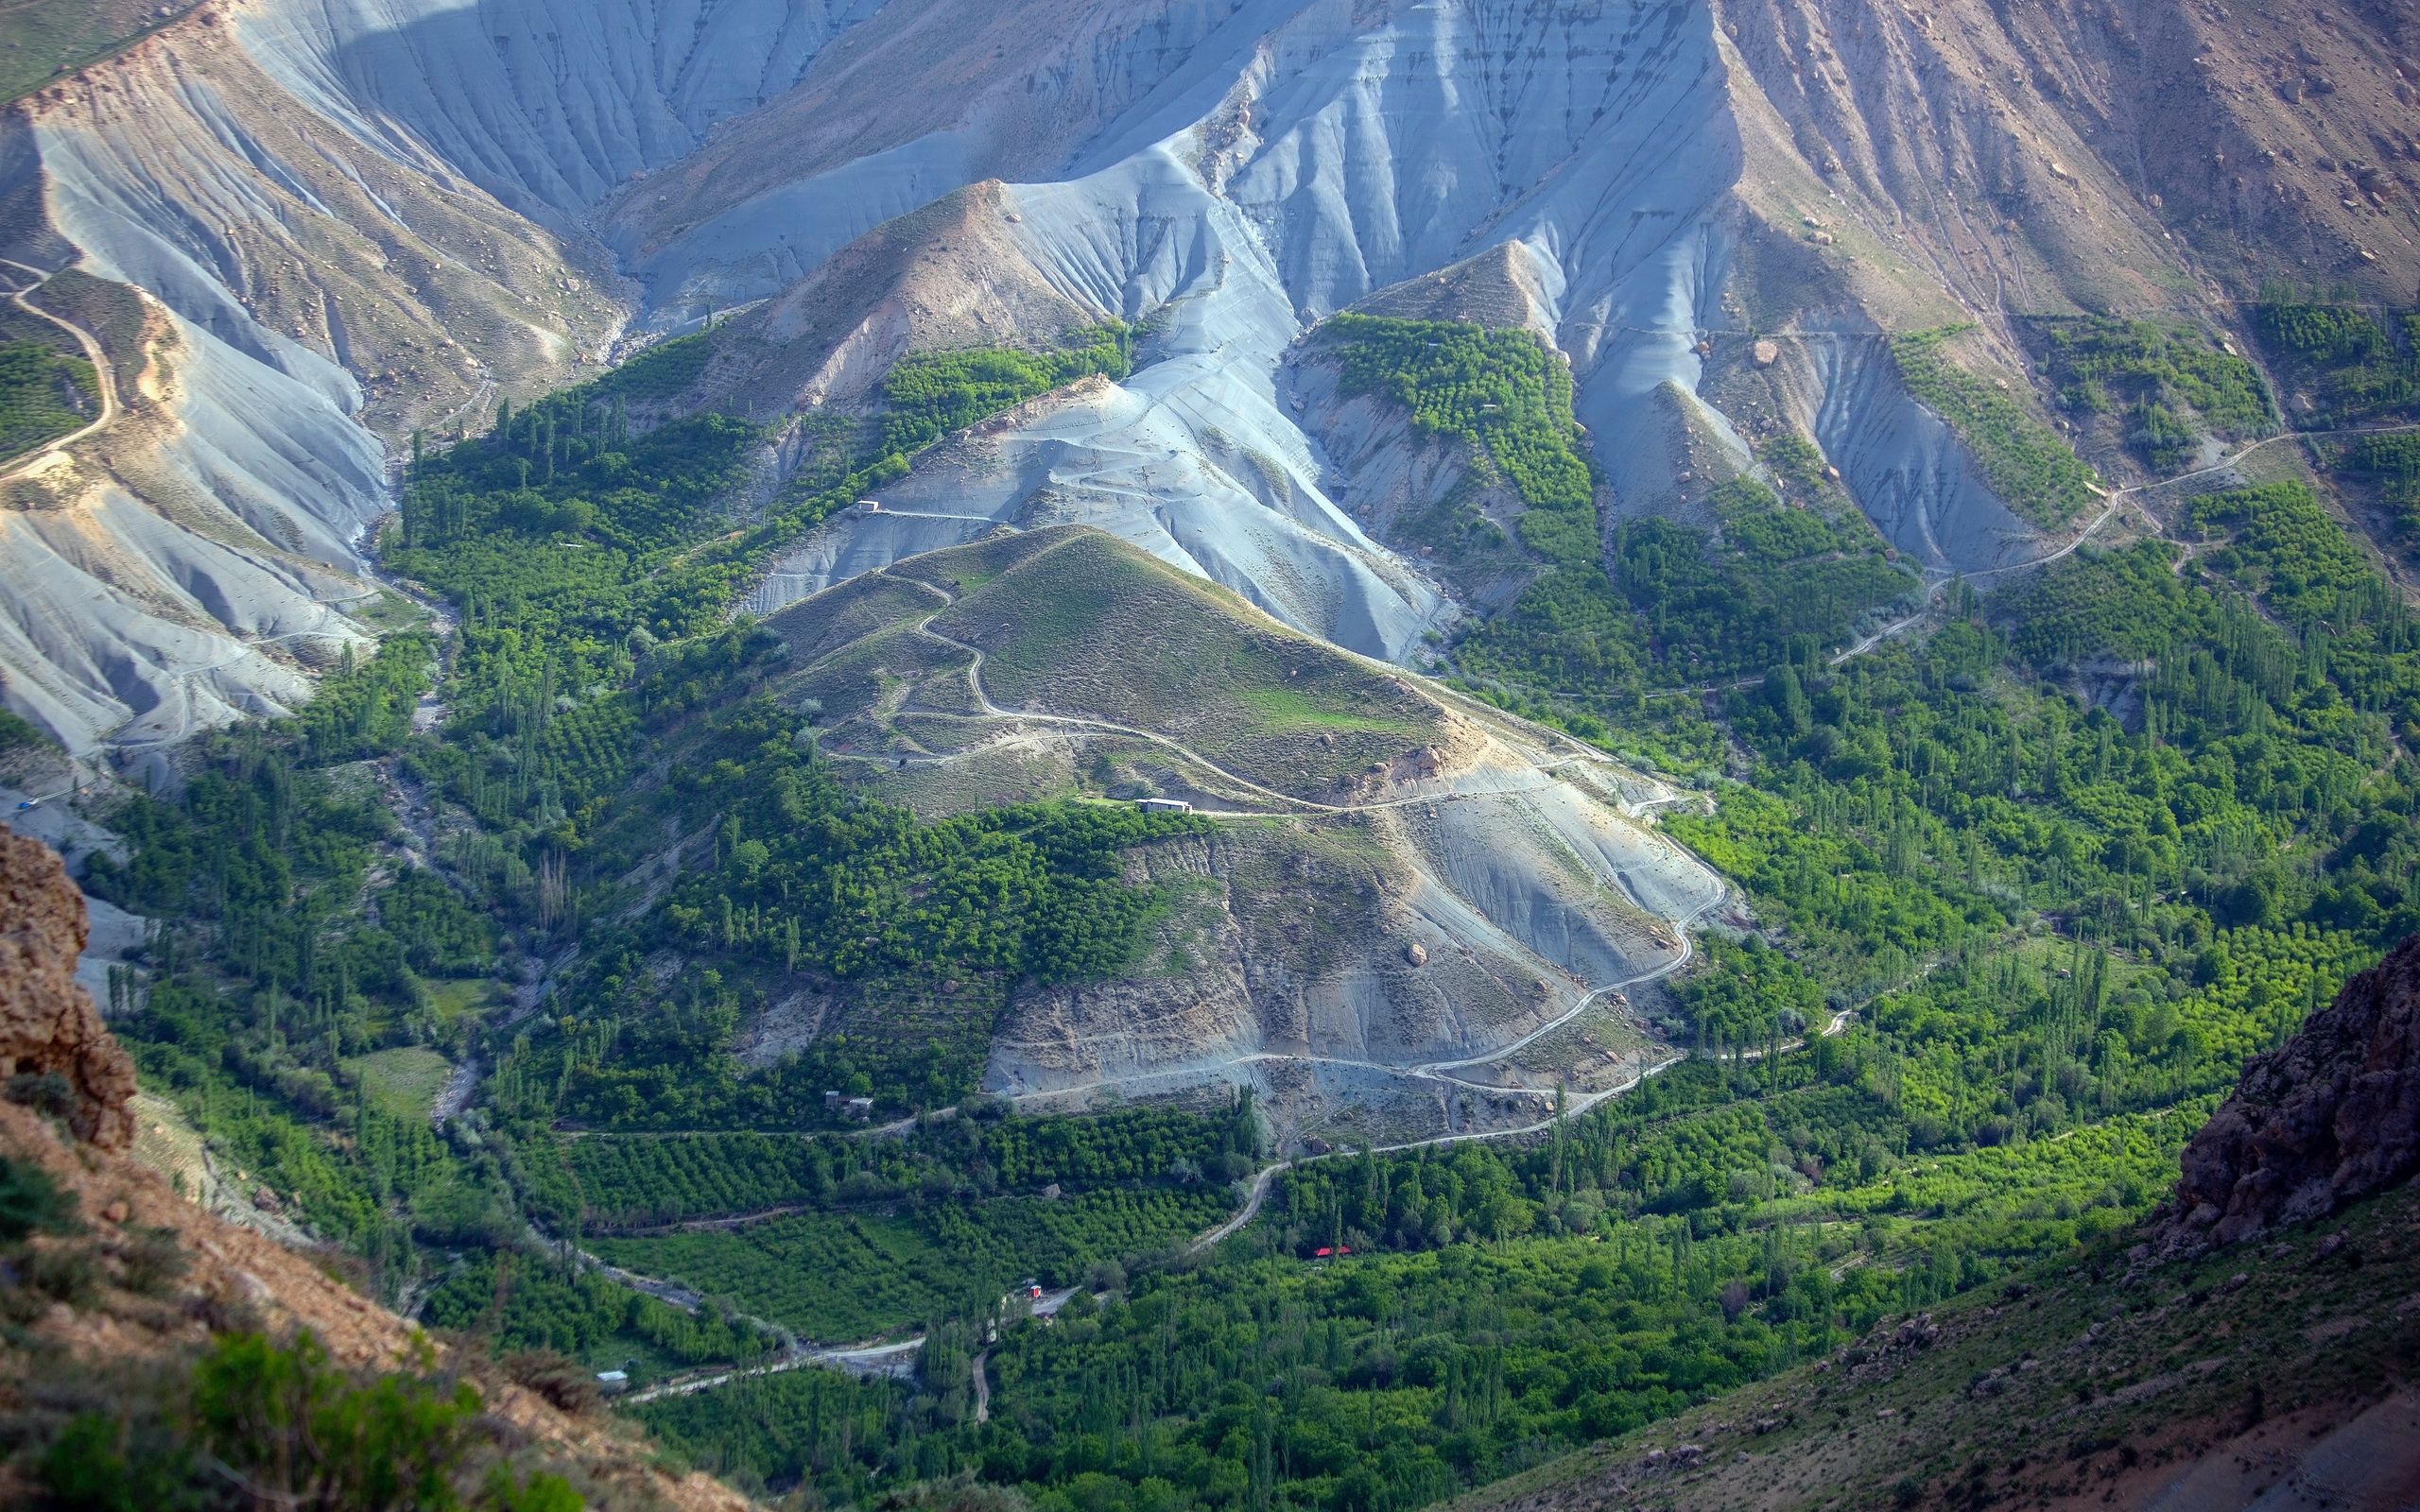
column 48, row 1028
column 2326, row 1118
column 2037, row 152
column 2270, row 1357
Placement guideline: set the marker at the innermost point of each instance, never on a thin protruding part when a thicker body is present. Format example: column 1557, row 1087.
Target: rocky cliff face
column 48, row 1027
column 2328, row 1116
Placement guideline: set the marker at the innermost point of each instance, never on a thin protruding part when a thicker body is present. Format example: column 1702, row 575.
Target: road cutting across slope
column 105, row 377
column 1435, row 1070
column 894, row 1357
column 2115, row 501
column 1540, row 761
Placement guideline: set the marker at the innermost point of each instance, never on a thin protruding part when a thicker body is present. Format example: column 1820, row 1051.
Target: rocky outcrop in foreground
column 48, row 1027
column 2331, row 1114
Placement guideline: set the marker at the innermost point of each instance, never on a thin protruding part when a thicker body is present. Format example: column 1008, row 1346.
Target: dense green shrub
column 1613, row 618
column 928, row 394
column 2344, row 361
column 263, row 1423
column 919, row 1266
column 2171, row 381
column 43, row 394
column 659, row 1180
column 521, row 1302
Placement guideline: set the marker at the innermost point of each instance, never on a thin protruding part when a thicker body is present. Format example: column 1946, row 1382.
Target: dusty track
column 105, row 376
column 993, row 710
column 1439, row 1071
column 2116, row 502
column 1542, row 762
column 887, row 1358
column 879, row 1359
column 1545, row 764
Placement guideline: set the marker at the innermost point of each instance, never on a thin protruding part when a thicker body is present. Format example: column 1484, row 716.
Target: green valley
column 2028, row 887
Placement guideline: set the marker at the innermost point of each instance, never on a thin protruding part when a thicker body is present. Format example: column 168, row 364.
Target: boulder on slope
column 48, row 1025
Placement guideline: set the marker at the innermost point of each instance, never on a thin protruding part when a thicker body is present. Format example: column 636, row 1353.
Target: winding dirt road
column 894, row 1357
column 1432, row 1071
column 1543, row 763
column 879, row 1359
column 105, row 377
column 1938, row 582
column 1440, row 1071
column 993, row 710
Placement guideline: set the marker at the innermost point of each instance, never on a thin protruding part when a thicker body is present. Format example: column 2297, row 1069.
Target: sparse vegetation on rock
column 2033, row 469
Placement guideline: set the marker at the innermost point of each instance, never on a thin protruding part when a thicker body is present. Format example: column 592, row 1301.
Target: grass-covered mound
column 42, row 41
column 1078, row 624
column 325, row 963
column 1094, row 627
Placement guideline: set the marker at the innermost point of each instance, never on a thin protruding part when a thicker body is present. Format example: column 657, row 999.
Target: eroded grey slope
column 379, row 210
column 351, row 215
column 1353, row 148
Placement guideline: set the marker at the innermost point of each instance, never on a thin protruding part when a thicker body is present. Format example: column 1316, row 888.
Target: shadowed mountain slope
column 2271, row 1366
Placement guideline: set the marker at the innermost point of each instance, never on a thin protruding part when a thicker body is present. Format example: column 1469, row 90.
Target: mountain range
column 1215, row 755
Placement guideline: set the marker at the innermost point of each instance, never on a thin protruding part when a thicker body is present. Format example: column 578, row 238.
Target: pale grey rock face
column 546, row 104
column 194, row 590
column 779, row 237
column 1921, row 488
column 1346, row 154
column 1227, row 172
column 125, row 622
column 1351, row 147
column 1193, row 458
